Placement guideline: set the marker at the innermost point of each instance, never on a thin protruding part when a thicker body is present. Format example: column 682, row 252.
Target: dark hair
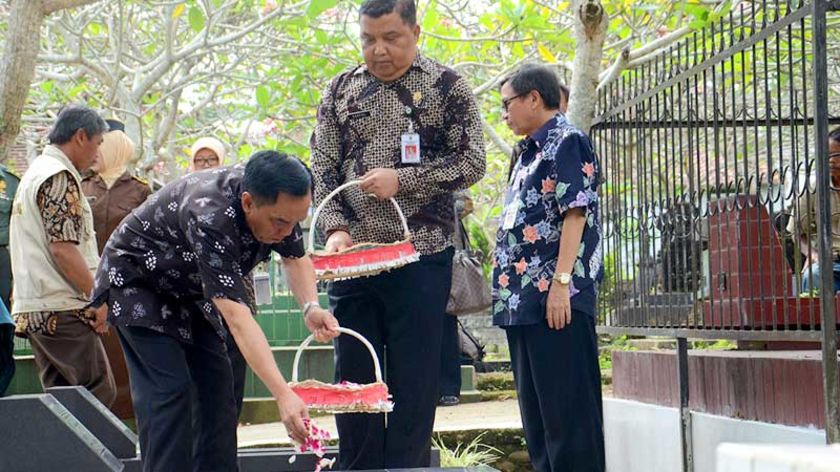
column 834, row 135
column 536, row 77
column 377, row 8
column 115, row 125
column 73, row 118
column 269, row 173
column 564, row 92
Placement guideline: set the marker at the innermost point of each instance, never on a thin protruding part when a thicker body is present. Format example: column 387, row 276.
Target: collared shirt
column 360, row 124
column 59, row 201
column 187, row 244
column 804, row 220
column 111, row 205
column 556, row 171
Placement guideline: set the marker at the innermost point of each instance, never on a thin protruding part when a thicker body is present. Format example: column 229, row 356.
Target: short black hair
column 834, row 135
column 269, row 173
column 377, row 8
column 536, row 77
column 73, row 118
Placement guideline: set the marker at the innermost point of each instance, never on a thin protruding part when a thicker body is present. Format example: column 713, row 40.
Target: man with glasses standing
column 547, row 267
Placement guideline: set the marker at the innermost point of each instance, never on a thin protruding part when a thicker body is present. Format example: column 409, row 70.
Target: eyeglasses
column 206, row 161
column 506, row 101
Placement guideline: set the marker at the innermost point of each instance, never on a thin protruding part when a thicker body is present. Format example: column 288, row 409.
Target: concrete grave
column 98, row 419
column 42, row 434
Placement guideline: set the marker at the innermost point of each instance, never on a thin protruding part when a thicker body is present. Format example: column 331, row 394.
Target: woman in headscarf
column 113, row 192
column 206, row 153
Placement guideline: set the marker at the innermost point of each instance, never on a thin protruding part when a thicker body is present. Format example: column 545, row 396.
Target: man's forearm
column 570, row 238
column 72, row 266
column 300, row 275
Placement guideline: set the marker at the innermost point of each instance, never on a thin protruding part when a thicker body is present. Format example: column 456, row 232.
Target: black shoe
column 449, row 400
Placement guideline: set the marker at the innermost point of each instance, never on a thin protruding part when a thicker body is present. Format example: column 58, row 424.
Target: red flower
column 548, row 185
column 504, row 280
column 589, row 169
column 543, row 284
column 530, row 234
column 521, row 266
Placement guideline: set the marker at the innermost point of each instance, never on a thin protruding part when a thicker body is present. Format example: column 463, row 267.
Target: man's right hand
column 292, row 412
column 338, row 241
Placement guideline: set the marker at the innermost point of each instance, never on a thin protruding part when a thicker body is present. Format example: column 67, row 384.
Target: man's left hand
column 559, row 307
column 384, row 183
column 99, row 322
column 322, row 324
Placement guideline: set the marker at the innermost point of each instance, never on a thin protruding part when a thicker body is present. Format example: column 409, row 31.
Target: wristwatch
column 564, row 278
column 310, row 305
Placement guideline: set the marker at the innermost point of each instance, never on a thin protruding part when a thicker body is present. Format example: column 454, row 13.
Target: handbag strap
column 461, row 236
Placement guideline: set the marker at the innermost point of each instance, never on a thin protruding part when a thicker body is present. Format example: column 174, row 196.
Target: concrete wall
column 641, row 437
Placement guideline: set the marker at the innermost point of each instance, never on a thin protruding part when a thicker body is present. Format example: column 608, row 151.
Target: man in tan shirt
column 803, row 224
column 53, row 249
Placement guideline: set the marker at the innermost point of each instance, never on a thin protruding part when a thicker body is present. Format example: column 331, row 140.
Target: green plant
column 472, row 454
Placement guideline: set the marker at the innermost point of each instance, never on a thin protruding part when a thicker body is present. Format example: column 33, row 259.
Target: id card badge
column 410, row 147
column 510, row 216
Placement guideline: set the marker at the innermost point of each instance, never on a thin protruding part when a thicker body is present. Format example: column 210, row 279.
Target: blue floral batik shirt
column 556, row 171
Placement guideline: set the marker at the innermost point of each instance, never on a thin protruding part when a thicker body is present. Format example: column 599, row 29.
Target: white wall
column 641, row 437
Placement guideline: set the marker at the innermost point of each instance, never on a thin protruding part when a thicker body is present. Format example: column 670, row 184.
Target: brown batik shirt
column 360, row 124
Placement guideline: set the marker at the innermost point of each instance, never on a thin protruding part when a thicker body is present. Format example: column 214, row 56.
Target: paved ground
column 469, row 416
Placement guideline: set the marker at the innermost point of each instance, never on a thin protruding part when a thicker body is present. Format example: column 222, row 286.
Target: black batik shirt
column 187, row 244
column 360, row 123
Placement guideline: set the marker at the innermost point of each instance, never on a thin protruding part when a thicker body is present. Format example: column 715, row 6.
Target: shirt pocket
column 362, row 120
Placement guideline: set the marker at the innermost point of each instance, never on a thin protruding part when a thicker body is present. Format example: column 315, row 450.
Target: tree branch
column 52, row 6
column 496, row 139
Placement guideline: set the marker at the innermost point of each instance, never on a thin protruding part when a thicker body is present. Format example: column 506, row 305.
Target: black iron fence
column 717, row 203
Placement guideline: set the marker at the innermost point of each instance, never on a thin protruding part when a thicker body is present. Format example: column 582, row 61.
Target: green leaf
column 263, row 96
column 316, row 7
column 511, row 240
column 504, row 294
column 47, row 86
column 525, row 281
column 196, row 19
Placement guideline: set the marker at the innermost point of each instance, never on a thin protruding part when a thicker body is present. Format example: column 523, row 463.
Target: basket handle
column 312, row 226
column 377, row 369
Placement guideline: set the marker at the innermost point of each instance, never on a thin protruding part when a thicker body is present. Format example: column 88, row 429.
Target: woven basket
column 363, row 259
column 343, row 397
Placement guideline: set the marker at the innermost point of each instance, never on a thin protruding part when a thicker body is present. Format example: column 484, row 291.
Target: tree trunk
column 590, row 32
column 17, row 65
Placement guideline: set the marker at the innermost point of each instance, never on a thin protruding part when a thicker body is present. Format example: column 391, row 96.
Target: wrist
column 308, row 306
column 562, row 278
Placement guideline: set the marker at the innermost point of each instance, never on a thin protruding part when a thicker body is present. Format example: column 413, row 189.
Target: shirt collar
column 420, row 62
column 541, row 135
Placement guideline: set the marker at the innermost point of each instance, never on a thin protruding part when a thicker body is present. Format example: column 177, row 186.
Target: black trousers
column 450, row 358
column 399, row 312
column 239, row 368
column 558, row 383
column 183, row 399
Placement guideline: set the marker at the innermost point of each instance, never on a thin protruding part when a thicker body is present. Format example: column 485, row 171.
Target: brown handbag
column 470, row 292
